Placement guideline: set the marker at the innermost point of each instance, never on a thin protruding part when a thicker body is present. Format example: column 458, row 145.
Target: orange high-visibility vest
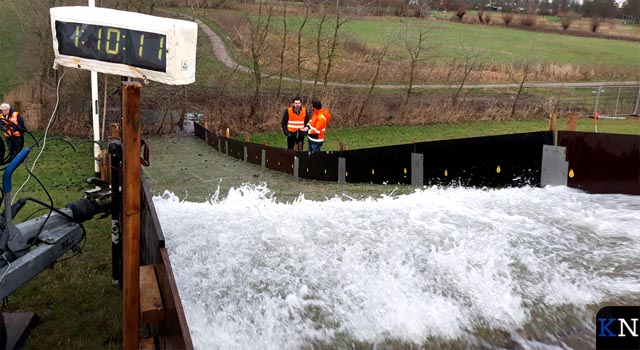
column 296, row 121
column 12, row 122
column 318, row 124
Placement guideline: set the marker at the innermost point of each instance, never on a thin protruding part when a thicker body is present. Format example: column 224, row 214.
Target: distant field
column 499, row 44
column 500, row 49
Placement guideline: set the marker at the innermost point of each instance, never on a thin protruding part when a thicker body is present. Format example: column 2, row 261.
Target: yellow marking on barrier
column 346, row 173
column 325, row 171
column 278, row 163
column 405, row 170
column 498, row 170
column 307, row 169
column 373, row 171
column 571, row 174
column 446, row 173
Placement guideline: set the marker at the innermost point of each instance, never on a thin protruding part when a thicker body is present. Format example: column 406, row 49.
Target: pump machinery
column 29, row 247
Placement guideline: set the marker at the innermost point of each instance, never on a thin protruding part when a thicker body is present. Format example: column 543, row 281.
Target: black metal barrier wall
column 601, row 163
column 491, row 161
column 173, row 331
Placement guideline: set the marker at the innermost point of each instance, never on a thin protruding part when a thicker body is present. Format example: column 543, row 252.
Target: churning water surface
column 440, row 268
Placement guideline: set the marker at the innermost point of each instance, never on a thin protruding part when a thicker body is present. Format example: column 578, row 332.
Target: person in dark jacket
column 294, row 119
column 13, row 126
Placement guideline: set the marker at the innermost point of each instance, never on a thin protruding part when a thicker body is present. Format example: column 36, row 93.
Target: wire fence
column 607, row 101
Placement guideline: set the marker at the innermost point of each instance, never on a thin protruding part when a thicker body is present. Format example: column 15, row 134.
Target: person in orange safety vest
column 13, row 126
column 293, row 120
column 317, row 126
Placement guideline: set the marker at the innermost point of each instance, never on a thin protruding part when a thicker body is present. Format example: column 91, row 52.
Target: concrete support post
column 554, row 166
column 226, row 147
column 296, row 167
column 264, row 158
column 246, row 154
column 342, row 170
column 417, row 169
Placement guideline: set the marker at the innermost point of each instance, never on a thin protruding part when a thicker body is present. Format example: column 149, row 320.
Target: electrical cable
column 44, row 136
column 8, row 268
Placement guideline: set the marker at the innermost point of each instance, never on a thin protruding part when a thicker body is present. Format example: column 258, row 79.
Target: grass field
column 493, row 45
column 10, row 35
column 375, row 136
column 77, row 305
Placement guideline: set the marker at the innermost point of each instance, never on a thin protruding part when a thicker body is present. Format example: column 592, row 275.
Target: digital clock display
column 111, row 44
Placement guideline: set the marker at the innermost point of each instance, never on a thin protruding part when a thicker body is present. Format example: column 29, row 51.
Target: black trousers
column 295, row 137
column 14, row 144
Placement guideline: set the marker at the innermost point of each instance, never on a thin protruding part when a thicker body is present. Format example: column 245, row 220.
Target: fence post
column 554, row 166
column 595, row 107
column 635, row 110
column 296, row 167
column 342, row 170
column 417, row 169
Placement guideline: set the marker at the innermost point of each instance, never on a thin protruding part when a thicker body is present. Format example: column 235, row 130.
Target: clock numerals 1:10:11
column 114, row 47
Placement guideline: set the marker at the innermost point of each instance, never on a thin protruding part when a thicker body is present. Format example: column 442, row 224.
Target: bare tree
column 258, row 46
column 378, row 57
column 299, row 60
column 471, row 60
column 333, row 44
column 525, row 73
column 417, row 49
column 319, row 40
column 283, row 48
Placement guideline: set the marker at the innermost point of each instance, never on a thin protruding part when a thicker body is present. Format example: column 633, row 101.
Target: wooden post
column 571, row 122
column 114, row 132
column 131, row 135
column 105, row 166
column 552, row 121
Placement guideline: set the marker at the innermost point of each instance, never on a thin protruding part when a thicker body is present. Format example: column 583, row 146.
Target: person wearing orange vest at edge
column 293, row 120
column 13, row 126
column 317, row 126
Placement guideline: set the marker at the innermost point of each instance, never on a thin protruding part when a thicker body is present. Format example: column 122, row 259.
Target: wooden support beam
column 131, row 136
column 147, row 344
column 151, row 308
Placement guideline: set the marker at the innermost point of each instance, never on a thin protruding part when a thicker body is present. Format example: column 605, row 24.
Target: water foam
column 440, row 264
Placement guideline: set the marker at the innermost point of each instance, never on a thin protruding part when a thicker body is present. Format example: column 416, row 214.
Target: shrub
column 595, row 23
column 487, row 18
column 528, row 20
column 566, row 22
column 507, row 18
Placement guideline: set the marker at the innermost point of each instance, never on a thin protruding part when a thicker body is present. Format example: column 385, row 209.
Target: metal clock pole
column 96, row 117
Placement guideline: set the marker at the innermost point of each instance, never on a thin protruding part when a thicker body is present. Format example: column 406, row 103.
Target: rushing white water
column 442, row 266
